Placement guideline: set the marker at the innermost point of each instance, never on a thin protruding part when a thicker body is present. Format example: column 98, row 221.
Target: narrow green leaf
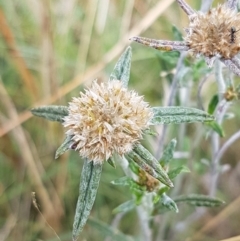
column 199, row 200
column 125, row 207
column 51, row 112
column 162, row 177
column 177, row 33
column 168, row 153
column 87, row 192
column 165, row 204
column 216, row 127
column 121, row 70
column 111, row 162
column 168, row 203
column 122, row 181
column 173, row 173
column 213, row 104
column 177, row 115
column 66, row 145
column 152, row 162
column 150, row 132
column 108, row 231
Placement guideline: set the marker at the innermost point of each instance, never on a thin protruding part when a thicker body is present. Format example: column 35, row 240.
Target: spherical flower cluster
column 107, row 118
column 215, row 32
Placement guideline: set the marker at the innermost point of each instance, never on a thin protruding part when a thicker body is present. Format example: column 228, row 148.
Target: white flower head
column 107, row 118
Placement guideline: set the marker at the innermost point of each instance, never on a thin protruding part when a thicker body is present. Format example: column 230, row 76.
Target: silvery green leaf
column 125, row 207
column 108, row 231
column 121, row 70
column 87, row 192
column 152, row 162
column 122, row 181
column 66, row 145
column 178, row 114
column 155, row 170
column 199, row 200
column 168, row 152
column 51, row 112
column 173, row 173
column 168, row 203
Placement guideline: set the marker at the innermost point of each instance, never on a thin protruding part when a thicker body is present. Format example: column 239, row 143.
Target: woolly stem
column 186, row 8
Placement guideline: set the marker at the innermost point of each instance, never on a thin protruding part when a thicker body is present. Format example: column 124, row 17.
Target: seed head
column 214, row 33
column 107, row 118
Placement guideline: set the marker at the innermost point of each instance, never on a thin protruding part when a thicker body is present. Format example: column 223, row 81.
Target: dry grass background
column 49, row 50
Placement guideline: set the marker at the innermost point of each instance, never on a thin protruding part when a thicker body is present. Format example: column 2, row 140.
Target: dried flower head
column 212, row 34
column 107, row 118
column 215, row 32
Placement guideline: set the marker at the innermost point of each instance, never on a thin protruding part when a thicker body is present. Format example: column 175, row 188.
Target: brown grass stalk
column 219, row 218
column 49, row 209
column 91, row 72
column 28, row 78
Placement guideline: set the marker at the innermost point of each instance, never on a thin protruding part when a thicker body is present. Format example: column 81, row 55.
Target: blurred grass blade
column 199, row 200
column 125, row 207
column 178, row 114
column 216, row 127
column 168, row 203
column 109, row 231
column 174, row 172
column 87, row 192
column 66, row 145
column 168, row 153
column 51, row 112
column 152, row 162
column 121, row 70
column 213, row 104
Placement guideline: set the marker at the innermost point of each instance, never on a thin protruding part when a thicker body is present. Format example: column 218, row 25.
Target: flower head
column 214, row 33
column 107, row 118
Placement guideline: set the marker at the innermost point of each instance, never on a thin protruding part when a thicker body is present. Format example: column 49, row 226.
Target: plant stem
column 144, row 209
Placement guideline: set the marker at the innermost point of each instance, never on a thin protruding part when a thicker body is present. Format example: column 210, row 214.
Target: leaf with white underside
column 167, row 202
column 66, row 145
column 125, row 207
column 87, row 193
column 174, row 172
column 168, row 153
column 199, row 200
column 178, row 114
column 152, row 162
column 51, row 112
column 121, row 70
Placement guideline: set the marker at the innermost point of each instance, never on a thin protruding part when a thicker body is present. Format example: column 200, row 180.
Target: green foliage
column 199, row 200
column 52, row 112
column 109, row 231
column 168, row 153
column 213, row 104
column 174, row 172
column 66, row 145
column 121, row 70
column 56, row 54
column 150, row 160
column 125, row 207
column 177, row 115
column 90, row 178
